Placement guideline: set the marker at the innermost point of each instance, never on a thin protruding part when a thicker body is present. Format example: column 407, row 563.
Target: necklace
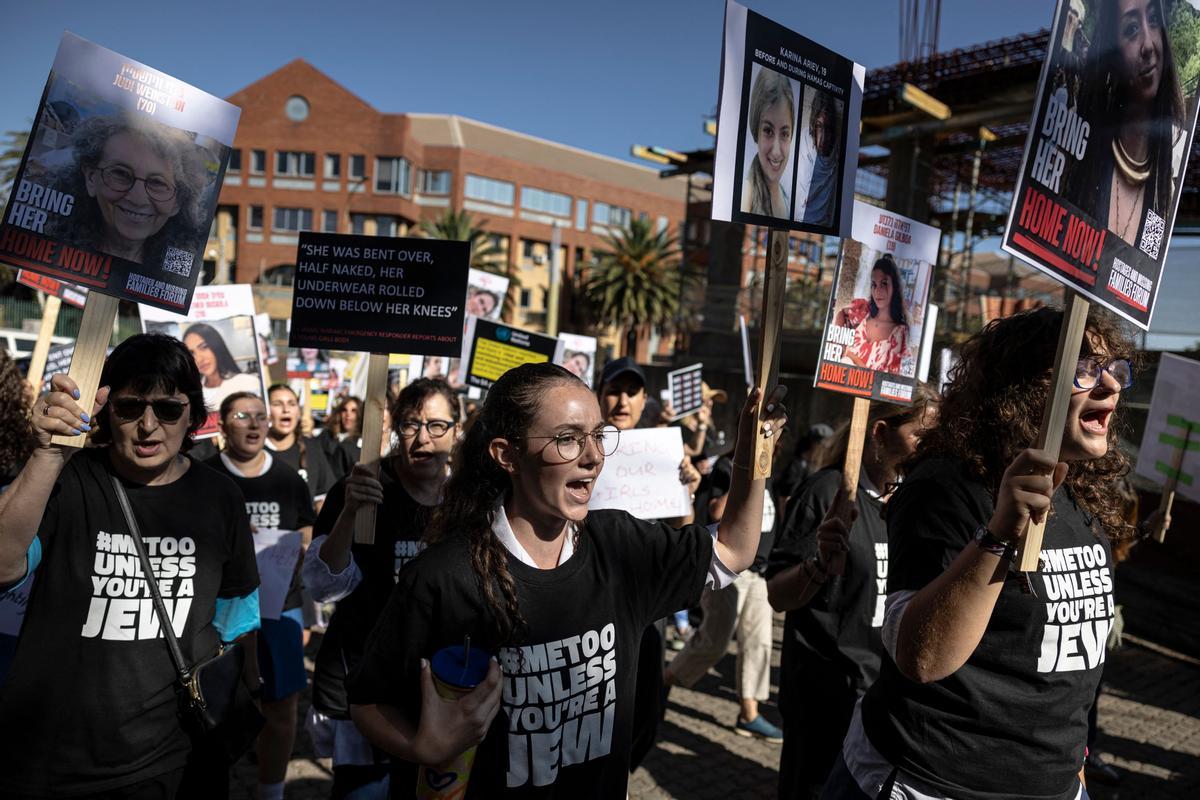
column 1135, row 172
column 1132, row 208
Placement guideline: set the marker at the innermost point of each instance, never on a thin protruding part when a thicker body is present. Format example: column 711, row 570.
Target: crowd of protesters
column 910, row 639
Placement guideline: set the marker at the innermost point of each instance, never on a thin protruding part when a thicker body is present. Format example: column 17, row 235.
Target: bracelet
column 991, row 543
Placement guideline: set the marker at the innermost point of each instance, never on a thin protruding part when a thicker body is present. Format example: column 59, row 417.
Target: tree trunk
column 631, row 338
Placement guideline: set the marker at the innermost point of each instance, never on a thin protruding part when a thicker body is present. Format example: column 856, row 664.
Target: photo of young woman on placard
column 770, row 131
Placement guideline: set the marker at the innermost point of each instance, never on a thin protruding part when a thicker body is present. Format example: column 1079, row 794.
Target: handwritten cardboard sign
column 642, row 477
column 277, row 553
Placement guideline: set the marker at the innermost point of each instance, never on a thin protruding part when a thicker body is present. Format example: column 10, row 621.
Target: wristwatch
column 986, row 540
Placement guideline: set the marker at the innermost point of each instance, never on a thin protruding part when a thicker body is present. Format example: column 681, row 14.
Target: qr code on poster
column 1152, row 234
column 178, row 261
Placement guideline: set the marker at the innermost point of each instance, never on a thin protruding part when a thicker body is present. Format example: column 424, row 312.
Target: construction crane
column 920, row 23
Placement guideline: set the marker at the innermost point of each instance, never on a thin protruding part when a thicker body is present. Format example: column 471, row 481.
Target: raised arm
column 24, row 503
column 741, row 526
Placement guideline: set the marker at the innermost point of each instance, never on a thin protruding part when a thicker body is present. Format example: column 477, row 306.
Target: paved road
column 1149, row 719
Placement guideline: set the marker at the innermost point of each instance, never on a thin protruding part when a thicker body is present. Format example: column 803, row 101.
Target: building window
column 358, row 167
column 295, row 165
column 435, row 181
column 293, row 219
column 581, row 214
column 643, row 216
column 393, row 176
column 333, row 165
column 235, row 160
column 613, row 216
column 547, row 202
column 329, row 221
column 663, row 224
column 255, row 220
column 525, row 298
column 384, row 225
column 258, row 162
column 489, row 191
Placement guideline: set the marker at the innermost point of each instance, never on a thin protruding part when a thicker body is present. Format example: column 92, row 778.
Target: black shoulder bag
column 215, row 706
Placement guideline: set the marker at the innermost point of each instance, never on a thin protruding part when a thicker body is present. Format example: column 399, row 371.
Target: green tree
column 486, row 255
column 636, row 284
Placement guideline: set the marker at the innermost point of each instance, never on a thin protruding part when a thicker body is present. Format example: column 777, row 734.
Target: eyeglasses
column 437, row 428
column 1088, row 370
column 120, row 178
column 570, row 445
column 245, row 418
column 128, row 409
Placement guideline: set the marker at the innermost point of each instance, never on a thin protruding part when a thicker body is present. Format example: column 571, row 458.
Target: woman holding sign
column 277, row 499
column 519, row 568
column 89, row 706
column 360, row 577
column 981, row 658
column 825, row 572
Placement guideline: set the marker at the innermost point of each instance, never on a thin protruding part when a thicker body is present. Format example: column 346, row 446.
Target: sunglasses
column 129, row 409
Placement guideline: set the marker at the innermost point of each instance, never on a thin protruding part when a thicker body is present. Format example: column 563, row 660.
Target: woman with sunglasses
column 91, row 695
column 277, row 499
column 139, row 188
column 559, row 596
column 988, row 673
column 360, row 577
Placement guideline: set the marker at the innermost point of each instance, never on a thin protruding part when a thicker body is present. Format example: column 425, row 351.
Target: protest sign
column 1170, row 451
column 277, row 553
column 67, row 292
column 1105, row 160
column 642, row 476
column 686, row 386
column 378, row 295
column 118, row 185
column 787, row 135
column 58, row 360
column 220, row 331
column 873, row 330
column 485, row 294
column 579, row 356
column 268, row 353
column 491, row 349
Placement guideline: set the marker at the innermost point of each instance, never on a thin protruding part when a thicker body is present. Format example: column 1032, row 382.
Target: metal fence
column 14, row 312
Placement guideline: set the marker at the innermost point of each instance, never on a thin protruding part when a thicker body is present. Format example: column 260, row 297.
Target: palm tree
column 460, row 226
column 636, row 284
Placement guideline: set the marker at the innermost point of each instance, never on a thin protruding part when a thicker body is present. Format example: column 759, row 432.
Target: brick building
column 310, row 155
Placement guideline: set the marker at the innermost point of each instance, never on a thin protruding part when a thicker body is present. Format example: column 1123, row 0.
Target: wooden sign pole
column 1168, row 491
column 372, row 438
column 91, row 346
column 41, row 350
column 770, row 338
column 854, row 449
column 1054, row 415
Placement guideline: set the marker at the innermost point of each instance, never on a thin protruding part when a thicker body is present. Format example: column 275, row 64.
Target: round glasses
column 436, row 428
column 244, row 418
column 1088, row 370
column 570, row 445
column 129, row 409
column 120, row 178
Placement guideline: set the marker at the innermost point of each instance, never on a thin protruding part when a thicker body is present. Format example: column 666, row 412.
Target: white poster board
column 485, row 294
column 1173, row 409
column 277, row 553
column 642, row 477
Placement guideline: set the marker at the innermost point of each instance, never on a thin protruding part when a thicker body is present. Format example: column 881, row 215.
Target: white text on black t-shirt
column 561, row 700
column 881, row 573
column 121, row 608
column 406, row 551
column 1079, row 608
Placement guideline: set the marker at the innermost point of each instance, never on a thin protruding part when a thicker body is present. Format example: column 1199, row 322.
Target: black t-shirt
column 400, row 523
column 89, row 703
column 840, row 627
column 1022, row 699
column 567, row 702
column 277, row 499
column 314, row 467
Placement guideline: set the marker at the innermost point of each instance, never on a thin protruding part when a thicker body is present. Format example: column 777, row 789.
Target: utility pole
column 555, row 272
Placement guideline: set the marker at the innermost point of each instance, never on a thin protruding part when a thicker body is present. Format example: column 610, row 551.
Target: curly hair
column 16, row 434
column 477, row 483
column 992, row 408
column 86, row 228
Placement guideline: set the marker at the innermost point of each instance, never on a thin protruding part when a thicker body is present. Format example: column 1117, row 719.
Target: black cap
column 621, row 365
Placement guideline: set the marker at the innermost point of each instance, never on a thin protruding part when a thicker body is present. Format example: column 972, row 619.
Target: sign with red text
column 642, row 477
column 1107, row 151
column 118, row 185
column 67, row 292
column 877, row 314
column 376, row 294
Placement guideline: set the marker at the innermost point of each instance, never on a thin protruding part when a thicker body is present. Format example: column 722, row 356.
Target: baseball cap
column 619, row 366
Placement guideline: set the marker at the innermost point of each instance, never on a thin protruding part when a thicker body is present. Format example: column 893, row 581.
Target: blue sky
column 600, row 76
